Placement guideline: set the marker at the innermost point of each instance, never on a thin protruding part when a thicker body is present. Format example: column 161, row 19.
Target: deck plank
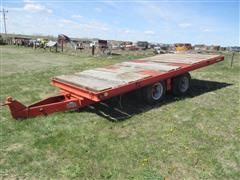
column 179, row 58
column 88, row 82
column 120, row 77
column 163, row 67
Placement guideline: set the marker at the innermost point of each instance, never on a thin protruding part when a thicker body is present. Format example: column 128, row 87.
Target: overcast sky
column 208, row 22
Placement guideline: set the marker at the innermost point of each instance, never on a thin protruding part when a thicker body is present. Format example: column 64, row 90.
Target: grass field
column 194, row 137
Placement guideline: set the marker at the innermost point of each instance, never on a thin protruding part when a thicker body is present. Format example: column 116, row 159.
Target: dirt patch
column 14, row 147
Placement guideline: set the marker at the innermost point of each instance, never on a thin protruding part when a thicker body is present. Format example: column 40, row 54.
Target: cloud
column 127, row 31
column 206, row 30
column 33, row 7
column 97, row 25
column 77, row 16
column 67, row 21
column 86, row 25
column 149, row 32
column 184, row 25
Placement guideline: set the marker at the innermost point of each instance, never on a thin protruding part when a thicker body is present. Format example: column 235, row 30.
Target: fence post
column 93, row 49
column 232, row 58
column 62, row 45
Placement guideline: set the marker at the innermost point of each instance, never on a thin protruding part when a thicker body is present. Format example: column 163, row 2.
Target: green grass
column 196, row 137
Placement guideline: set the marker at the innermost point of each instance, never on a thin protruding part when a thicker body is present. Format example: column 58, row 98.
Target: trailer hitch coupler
column 8, row 101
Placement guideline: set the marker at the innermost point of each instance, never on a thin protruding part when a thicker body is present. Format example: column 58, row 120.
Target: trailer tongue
column 157, row 74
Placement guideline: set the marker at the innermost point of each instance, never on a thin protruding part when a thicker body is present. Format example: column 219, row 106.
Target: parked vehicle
column 152, row 77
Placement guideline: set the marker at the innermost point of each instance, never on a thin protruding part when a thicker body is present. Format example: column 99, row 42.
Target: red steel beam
column 44, row 107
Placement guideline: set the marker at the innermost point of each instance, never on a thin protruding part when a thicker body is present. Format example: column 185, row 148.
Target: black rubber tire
column 181, row 84
column 148, row 93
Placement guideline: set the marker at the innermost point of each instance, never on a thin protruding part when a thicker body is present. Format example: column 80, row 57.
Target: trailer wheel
column 181, row 84
column 154, row 93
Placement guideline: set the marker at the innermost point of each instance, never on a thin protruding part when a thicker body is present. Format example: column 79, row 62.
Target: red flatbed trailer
column 154, row 75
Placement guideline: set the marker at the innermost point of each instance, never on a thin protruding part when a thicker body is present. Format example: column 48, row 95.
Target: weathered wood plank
column 88, row 82
column 120, row 77
column 179, row 58
column 150, row 66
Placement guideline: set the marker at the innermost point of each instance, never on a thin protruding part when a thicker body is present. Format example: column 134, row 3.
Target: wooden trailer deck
column 121, row 74
column 92, row 86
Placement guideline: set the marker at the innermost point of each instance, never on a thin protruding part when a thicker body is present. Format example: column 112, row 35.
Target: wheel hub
column 183, row 84
column 157, row 91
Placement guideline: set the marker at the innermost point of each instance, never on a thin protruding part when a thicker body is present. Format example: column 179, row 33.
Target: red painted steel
column 73, row 97
column 44, row 107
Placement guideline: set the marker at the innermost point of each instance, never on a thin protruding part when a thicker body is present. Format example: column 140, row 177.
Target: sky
column 190, row 21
